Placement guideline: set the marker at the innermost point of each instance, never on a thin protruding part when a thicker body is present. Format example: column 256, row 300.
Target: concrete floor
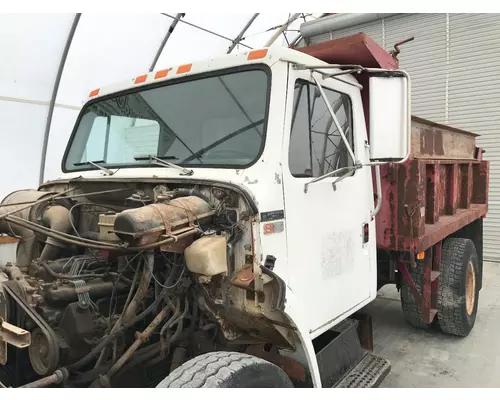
column 431, row 359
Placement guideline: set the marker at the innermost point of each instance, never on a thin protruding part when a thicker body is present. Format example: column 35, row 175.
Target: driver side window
column 316, row 146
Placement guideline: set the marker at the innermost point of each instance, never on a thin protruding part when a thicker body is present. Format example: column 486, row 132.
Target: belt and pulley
column 44, row 350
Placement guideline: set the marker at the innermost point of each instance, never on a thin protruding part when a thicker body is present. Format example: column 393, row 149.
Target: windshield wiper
column 164, row 163
column 95, row 164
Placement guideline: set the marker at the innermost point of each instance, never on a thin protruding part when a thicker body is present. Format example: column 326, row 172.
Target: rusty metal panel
column 480, row 181
column 433, row 194
column 356, row 49
column 422, row 201
column 437, row 141
column 452, row 189
column 373, row 29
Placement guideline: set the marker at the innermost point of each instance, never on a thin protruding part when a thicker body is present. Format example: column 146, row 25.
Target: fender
column 294, row 313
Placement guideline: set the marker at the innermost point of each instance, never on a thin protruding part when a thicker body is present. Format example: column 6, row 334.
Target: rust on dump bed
column 426, row 200
column 444, row 184
column 440, row 189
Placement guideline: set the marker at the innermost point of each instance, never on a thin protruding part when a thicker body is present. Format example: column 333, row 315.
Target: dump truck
column 224, row 224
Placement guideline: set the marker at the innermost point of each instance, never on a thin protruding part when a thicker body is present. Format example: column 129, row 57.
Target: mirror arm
column 320, row 178
column 379, row 192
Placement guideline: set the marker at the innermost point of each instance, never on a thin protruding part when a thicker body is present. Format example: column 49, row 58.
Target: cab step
column 369, row 372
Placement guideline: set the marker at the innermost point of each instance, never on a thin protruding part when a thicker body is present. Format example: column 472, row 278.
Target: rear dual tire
column 458, row 292
column 458, row 289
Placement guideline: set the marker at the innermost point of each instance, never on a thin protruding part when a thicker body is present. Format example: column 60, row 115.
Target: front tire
column 458, row 291
column 222, row 369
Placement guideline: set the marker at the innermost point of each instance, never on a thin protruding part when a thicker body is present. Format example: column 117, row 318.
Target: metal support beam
column 240, row 36
column 282, row 29
column 54, row 95
column 165, row 40
column 203, row 29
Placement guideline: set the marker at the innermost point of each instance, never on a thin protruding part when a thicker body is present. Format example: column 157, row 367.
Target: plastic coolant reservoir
column 207, row 256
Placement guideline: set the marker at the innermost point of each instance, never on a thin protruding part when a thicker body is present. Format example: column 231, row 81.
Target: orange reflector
column 184, row 68
column 256, row 54
column 141, row 78
column 161, row 74
column 421, row 255
column 94, row 92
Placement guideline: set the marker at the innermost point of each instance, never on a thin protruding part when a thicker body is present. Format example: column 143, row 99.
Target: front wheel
column 458, row 291
column 222, row 369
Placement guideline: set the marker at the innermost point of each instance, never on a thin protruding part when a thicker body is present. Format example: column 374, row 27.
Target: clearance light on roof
column 94, row 92
column 184, row 68
column 256, row 54
column 141, row 79
column 161, row 74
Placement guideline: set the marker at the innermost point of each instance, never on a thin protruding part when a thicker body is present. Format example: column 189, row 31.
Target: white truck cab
column 286, row 134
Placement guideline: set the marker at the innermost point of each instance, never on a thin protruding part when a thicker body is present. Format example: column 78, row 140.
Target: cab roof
column 261, row 56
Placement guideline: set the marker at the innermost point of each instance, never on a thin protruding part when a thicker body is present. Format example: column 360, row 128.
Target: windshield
column 212, row 121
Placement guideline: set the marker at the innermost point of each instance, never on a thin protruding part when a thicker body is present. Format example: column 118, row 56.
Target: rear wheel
column 411, row 311
column 458, row 291
column 224, row 369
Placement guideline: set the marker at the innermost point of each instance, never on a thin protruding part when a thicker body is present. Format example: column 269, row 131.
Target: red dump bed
column 444, row 184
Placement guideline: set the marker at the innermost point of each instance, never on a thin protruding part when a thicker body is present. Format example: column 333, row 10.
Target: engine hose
column 194, row 317
column 63, row 237
column 166, row 342
column 73, row 277
column 79, row 241
column 141, row 338
column 142, row 289
column 139, row 358
column 88, row 376
column 48, row 231
column 80, row 363
column 105, row 341
column 141, row 292
column 58, row 376
column 145, row 354
column 32, row 203
column 132, row 287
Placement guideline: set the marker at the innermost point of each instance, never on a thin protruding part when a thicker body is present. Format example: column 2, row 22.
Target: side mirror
column 390, row 117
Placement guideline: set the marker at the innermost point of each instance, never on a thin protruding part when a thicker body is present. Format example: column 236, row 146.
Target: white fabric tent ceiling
column 104, row 49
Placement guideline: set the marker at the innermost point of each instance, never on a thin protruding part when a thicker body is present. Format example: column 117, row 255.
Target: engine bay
column 115, row 285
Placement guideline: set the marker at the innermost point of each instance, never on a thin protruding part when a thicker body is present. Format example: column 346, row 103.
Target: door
column 332, row 262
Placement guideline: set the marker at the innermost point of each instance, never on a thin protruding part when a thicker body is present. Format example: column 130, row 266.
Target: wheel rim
column 470, row 288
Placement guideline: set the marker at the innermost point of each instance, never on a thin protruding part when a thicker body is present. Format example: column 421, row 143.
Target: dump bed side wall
column 440, row 189
column 431, row 140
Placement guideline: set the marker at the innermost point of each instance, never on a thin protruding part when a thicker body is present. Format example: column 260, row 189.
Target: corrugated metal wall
column 452, row 62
